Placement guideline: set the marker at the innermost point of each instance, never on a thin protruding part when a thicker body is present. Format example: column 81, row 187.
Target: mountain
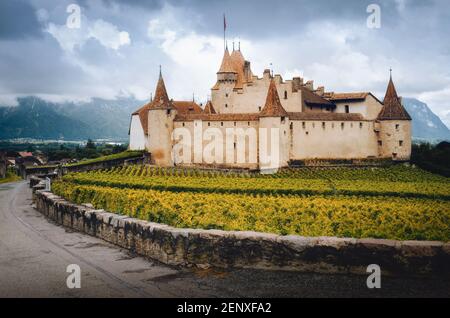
column 110, row 119
column 425, row 125
column 39, row 119
column 35, row 118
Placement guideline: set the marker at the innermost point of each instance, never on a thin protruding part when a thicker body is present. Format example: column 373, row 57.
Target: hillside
column 109, row 119
column 426, row 125
column 39, row 119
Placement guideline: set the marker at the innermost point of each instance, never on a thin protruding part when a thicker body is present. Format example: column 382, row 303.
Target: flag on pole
column 224, row 22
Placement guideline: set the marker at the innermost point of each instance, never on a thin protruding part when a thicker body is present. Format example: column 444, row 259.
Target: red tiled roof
column 348, row 96
column 392, row 108
column 325, row 116
column 227, row 64
column 187, row 107
column 217, row 117
column 209, row 108
column 273, row 107
column 24, row 154
column 182, row 107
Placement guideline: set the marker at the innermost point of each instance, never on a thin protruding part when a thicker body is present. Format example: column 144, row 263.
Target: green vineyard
column 396, row 202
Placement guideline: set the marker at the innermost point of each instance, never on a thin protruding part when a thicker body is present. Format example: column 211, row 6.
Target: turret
column 161, row 114
column 394, row 135
column 274, row 134
column 227, row 72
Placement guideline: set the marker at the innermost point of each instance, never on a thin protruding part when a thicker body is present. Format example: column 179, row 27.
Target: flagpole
column 224, row 28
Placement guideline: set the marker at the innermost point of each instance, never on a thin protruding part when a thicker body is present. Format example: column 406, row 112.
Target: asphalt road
column 34, row 255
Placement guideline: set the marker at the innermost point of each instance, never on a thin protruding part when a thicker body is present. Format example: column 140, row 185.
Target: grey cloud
column 18, row 20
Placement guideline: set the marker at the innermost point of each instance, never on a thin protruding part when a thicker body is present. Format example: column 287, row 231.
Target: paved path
column 35, row 252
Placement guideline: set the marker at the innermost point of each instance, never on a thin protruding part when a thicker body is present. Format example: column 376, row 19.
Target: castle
column 310, row 123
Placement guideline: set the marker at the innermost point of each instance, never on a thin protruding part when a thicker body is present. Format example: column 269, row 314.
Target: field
column 397, row 202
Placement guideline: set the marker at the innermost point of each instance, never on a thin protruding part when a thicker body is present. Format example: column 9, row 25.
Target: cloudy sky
column 119, row 45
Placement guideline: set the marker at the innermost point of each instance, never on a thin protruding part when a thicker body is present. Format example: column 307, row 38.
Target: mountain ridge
column 99, row 118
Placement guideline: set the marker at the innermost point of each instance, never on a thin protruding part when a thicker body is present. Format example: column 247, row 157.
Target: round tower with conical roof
column 274, row 134
column 394, row 133
column 161, row 114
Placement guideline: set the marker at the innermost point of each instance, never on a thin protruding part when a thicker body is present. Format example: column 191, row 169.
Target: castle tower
column 274, row 135
column 227, row 72
column 209, row 108
column 161, row 114
column 394, row 136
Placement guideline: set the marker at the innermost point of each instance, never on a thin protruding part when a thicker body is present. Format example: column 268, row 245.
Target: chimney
column 320, row 90
column 266, row 74
column 247, row 72
column 310, row 85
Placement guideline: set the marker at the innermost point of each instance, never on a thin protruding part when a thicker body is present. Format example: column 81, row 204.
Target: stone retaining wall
column 203, row 248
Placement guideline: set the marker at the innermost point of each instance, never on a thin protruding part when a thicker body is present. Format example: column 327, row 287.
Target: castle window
column 400, row 143
column 342, row 125
column 332, row 125
column 285, row 94
column 303, row 125
column 226, row 95
column 397, row 127
column 183, row 124
column 360, row 125
column 234, row 124
column 226, row 105
column 221, row 123
column 380, row 143
column 323, row 125
column 285, row 132
column 347, row 109
column 291, row 126
column 234, row 145
column 248, row 123
column 307, row 133
column 314, row 125
column 259, row 108
column 283, row 119
column 351, row 125
column 168, row 111
column 209, row 124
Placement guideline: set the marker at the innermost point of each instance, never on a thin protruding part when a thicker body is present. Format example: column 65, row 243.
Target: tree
column 90, row 144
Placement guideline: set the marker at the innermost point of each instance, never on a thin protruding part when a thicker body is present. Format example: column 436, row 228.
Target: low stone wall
column 81, row 167
column 203, row 248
